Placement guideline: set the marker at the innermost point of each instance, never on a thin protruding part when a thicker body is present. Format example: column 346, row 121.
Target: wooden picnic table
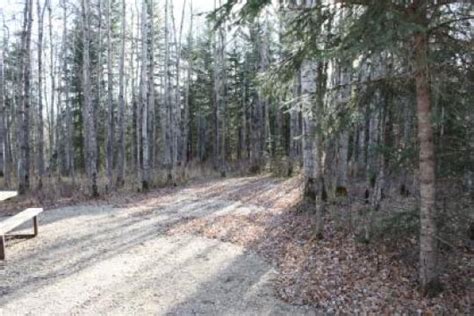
column 14, row 221
column 5, row 195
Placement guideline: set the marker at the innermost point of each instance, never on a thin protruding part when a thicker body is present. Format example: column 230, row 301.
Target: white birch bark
column 167, row 113
column 310, row 153
column 145, row 172
column 4, row 114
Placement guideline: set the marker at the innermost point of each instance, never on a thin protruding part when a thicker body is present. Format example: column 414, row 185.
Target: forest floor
column 221, row 247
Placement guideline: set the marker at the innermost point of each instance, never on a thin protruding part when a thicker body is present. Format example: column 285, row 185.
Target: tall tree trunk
column 311, row 93
column 362, row 147
column 219, row 98
column 343, row 155
column 121, row 118
column 134, row 60
column 145, row 172
column 343, row 96
column 24, row 112
column 167, row 120
column 40, row 136
column 309, row 71
column 243, row 118
column 428, row 246
column 264, row 64
column 70, row 163
column 2, row 114
column 52, row 139
column 110, row 102
column 151, row 88
column 186, row 127
column 223, row 99
column 88, row 111
column 469, row 168
column 177, row 95
column 295, row 126
column 98, row 70
column 308, row 91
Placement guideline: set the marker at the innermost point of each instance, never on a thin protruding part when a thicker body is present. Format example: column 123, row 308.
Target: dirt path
column 113, row 259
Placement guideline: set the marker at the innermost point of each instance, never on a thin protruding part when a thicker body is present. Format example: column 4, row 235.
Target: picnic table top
column 14, row 221
column 5, row 195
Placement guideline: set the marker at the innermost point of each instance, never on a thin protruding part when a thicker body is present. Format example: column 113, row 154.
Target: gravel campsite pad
column 234, row 246
column 118, row 259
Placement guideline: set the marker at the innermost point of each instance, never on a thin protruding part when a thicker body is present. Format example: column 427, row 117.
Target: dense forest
column 370, row 103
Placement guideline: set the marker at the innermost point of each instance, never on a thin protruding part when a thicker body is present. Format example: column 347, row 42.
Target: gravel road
column 118, row 260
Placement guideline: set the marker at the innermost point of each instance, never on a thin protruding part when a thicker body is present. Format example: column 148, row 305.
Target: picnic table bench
column 13, row 222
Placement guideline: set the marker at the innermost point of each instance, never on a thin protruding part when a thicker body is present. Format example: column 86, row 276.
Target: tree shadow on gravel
column 55, row 255
column 337, row 274
column 74, row 239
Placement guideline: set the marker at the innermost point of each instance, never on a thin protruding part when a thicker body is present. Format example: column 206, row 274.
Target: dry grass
column 59, row 191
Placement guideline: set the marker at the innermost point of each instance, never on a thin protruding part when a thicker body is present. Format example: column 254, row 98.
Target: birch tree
column 311, row 99
column 167, row 114
column 4, row 113
column 144, row 77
